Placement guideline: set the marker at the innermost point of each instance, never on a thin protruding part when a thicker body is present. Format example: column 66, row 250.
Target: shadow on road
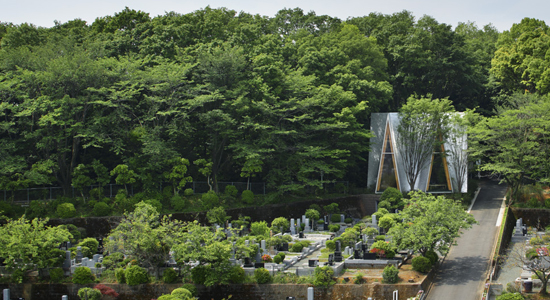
column 462, row 270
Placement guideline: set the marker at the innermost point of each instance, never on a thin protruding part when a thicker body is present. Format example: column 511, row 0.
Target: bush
column 89, row 294
column 83, row 275
column 432, row 256
column 56, row 274
column 66, row 210
column 190, row 287
column 262, row 276
column 199, row 274
column 247, row 197
column 297, row 247
column 278, row 223
column 178, row 202
column 421, row 264
column 120, row 275
column 547, row 203
column 169, row 276
column 510, row 296
column 102, row 209
column 188, row 192
column 231, row 191
column 312, row 214
column 359, row 278
column 136, row 275
column 348, row 220
column 393, row 196
column 390, row 274
column 91, row 243
column 237, row 275
column 335, row 218
column 323, row 276
column 209, row 200
column 384, row 204
column 17, row 276
column 259, row 229
column 331, row 245
column 279, row 258
column 105, row 290
column 333, row 227
column 110, row 261
column 380, row 238
column 182, row 293
column 331, row 208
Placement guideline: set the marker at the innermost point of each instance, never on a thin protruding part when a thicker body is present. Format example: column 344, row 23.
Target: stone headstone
column 312, row 263
column 358, row 245
column 347, row 251
column 247, row 243
column 248, row 262
column 95, row 258
column 67, row 261
column 298, row 225
column 519, row 227
column 263, row 245
column 330, row 259
column 303, row 218
column 374, row 220
column 301, row 235
column 284, row 247
column 338, row 252
column 357, row 254
column 307, row 228
column 342, row 218
column 6, row 294
column 79, row 254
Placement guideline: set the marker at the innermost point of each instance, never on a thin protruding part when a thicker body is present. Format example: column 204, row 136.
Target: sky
column 501, row 13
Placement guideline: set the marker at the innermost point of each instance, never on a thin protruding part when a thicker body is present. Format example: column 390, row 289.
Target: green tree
column 144, row 235
column 515, row 143
column 33, row 245
column 178, row 174
column 81, row 179
column 124, row 176
column 217, row 215
column 429, row 223
column 423, row 127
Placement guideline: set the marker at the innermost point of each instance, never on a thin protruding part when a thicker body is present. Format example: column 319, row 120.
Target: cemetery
column 333, row 252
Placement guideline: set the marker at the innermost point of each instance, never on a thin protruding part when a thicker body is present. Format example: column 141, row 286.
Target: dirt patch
column 406, row 273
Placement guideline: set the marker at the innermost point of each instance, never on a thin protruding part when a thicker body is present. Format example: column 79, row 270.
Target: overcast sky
column 501, row 13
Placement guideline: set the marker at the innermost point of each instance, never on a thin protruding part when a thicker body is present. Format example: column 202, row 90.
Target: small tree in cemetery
column 430, row 223
column 536, row 260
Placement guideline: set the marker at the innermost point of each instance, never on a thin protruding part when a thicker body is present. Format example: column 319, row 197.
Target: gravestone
column 368, row 255
column 330, row 259
column 259, row 265
column 301, row 235
column 298, row 225
column 292, row 227
column 284, row 247
column 358, row 254
column 247, row 243
column 303, row 218
column 313, row 263
column 358, row 245
column 263, row 246
column 374, row 221
column 248, row 263
column 347, row 250
column 79, row 254
column 519, row 227
column 67, row 261
column 342, row 218
column 338, row 253
column 307, row 228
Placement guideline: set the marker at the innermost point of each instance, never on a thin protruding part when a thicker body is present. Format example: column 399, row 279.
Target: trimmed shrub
column 231, row 191
column 390, row 274
column 136, row 275
column 91, row 243
column 237, row 275
column 393, row 196
column 169, row 276
column 380, row 238
column 262, row 276
column 111, row 261
column 323, row 276
column 188, row 192
column 190, row 287
column 102, row 209
column 278, row 258
column 348, row 220
column 56, row 274
column 89, row 294
column 178, row 202
column 432, row 256
column 120, row 275
column 105, row 290
column 278, row 223
column 296, row 247
column 182, row 293
column 510, row 296
column 384, row 204
column 312, row 214
column 83, row 275
column 209, row 200
column 199, row 274
column 66, row 210
column 247, row 197
column 335, row 218
column 421, row 264
column 333, row 227
column 331, row 245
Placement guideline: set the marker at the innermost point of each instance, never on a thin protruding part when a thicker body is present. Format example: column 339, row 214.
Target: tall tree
column 423, row 127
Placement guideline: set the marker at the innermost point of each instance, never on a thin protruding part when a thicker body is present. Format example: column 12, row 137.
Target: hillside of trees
column 227, row 96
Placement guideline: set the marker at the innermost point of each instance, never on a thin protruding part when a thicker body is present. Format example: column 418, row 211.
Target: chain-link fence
column 110, row 190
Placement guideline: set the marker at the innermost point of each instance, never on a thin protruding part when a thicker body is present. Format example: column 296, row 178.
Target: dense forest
column 227, row 96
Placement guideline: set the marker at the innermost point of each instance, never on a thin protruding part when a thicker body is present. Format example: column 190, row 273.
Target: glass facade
column 387, row 176
column 439, row 180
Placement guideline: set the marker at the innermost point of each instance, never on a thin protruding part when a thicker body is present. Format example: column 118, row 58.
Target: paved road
column 462, row 275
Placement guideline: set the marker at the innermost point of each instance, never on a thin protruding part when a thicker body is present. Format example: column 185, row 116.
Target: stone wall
column 241, row 292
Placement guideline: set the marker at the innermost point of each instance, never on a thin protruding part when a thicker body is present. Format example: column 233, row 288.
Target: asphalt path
column 462, row 275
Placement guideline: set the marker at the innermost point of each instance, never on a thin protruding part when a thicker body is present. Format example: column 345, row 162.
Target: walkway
column 462, row 274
